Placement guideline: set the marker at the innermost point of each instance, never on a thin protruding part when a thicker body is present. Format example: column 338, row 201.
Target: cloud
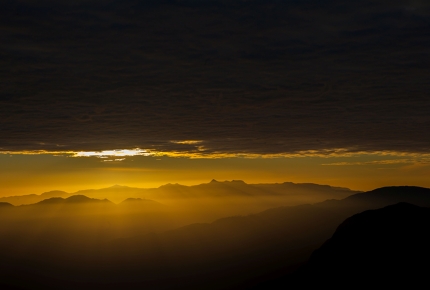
column 254, row 77
column 187, row 142
column 399, row 158
column 379, row 162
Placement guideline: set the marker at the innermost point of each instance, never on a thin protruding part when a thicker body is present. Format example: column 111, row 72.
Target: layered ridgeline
column 63, row 218
column 204, row 202
column 236, row 252
column 294, row 193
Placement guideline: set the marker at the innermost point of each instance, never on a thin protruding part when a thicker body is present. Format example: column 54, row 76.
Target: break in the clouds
column 241, row 77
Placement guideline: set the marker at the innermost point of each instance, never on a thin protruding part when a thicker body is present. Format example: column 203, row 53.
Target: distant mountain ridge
column 74, row 199
column 33, row 198
column 213, row 189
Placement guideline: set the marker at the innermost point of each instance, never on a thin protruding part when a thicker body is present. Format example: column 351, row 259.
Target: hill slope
column 384, row 246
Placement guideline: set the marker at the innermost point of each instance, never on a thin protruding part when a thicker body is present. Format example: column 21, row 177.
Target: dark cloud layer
column 245, row 76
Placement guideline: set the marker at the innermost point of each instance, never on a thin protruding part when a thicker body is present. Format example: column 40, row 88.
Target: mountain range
column 301, row 192
column 237, row 252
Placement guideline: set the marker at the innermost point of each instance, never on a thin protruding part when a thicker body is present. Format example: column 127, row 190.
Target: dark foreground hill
column 382, row 247
column 239, row 252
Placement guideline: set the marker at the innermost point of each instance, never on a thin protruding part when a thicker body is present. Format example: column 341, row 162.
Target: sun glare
column 112, row 153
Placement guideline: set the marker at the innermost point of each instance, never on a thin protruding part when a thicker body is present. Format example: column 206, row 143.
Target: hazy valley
column 186, row 235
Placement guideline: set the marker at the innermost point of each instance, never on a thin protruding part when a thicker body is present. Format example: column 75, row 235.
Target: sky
column 142, row 93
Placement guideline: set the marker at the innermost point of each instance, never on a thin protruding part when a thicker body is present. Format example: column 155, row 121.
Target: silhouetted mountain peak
column 391, row 190
column 74, row 199
column 116, row 186
column 136, row 200
column 237, row 181
column 132, row 199
column 172, row 185
column 394, row 194
column 139, row 201
column 216, row 182
column 52, row 200
column 400, row 190
column 53, row 193
column 83, row 199
column 5, row 204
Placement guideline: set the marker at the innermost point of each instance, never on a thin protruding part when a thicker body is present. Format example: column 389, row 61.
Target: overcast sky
column 325, row 91
column 258, row 77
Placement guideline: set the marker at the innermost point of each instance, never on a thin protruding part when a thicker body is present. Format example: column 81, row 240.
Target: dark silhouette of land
column 103, row 245
column 384, row 247
column 393, row 194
